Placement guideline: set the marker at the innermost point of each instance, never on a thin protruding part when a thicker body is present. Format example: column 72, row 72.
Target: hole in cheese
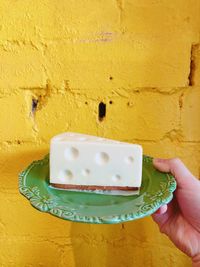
column 71, row 153
column 101, row 158
column 116, row 177
column 65, row 175
column 85, row 172
column 129, row 160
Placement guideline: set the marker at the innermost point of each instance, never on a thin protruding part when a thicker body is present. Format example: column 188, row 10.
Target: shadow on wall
column 14, row 160
column 103, row 245
column 137, row 243
column 107, row 245
column 99, row 245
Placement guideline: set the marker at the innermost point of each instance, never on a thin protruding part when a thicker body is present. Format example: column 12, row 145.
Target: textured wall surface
column 58, row 60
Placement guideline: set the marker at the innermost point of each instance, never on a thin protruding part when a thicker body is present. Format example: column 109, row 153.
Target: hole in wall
column 86, row 103
column 111, row 78
column 129, row 104
column 181, row 101
column 34, row 105
column 191, row 74
column 111, row 102
column 193, row 61
column 102, row 111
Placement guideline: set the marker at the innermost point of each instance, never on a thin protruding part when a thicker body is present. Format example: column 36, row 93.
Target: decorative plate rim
column 48, row 203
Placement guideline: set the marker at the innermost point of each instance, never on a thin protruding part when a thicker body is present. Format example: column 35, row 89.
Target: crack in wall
column 159, row 90
column 121, row 92
column 16, row 143
column 39, row 98
column 193, row 58
column 41, row 141
column 173, row 135
column 11, row 45
column 181, row 101
column 120, row 6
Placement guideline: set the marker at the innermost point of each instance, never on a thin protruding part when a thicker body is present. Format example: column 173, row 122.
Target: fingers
column 161, row 210
column 183, row 176
column 162, row 215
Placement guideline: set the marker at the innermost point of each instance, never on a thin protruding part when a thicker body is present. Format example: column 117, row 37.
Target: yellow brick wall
column 68, row 56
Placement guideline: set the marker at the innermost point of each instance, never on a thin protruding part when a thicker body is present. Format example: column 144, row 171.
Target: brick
column 157, row 24
column 122, row 121
column 162, row 19
column 15, row 117
column 21, row 66
column 143, row 63
column 57, row 20
column 190, row 114
column 171, row 149
column 136, row 117
column 46, row 225
column 131, row 238
column 23, row 253
column 66, row 112
column 92, row 237
column 15, row 157
column 98, row 44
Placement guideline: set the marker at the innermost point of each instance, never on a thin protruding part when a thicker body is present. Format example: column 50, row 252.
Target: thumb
column 183, row 176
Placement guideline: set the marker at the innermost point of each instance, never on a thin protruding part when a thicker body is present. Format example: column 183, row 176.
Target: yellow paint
column 69, row 56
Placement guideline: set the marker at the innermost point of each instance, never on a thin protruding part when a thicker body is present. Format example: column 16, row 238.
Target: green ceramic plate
column 156, row 190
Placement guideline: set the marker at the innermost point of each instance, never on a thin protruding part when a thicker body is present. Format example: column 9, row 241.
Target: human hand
column 180, row 219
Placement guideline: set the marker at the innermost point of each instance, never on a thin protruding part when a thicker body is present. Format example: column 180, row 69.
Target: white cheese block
column 85, row 160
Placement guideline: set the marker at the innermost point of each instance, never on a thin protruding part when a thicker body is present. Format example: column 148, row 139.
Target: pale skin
column 180, row 219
